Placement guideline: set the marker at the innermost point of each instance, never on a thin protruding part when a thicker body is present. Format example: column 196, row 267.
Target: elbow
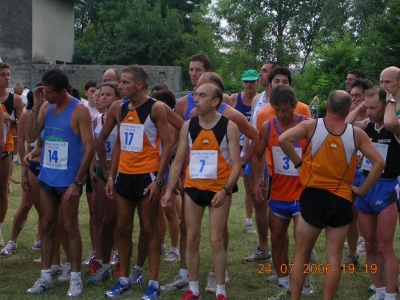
column 392, row 125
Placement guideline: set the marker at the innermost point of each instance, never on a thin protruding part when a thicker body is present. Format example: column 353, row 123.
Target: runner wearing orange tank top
column 213, row 141
column 326, row 202
column 142, row 124
column 285, row 185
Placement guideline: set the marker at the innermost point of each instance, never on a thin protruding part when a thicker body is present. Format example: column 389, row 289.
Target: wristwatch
column 78, row 182
column 159, row 182
column 391, row 101
column 227, row 191
column 243, row 164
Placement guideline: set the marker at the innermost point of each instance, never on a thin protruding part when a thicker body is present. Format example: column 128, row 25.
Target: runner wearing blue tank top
column 242, row 102
column 67, row 151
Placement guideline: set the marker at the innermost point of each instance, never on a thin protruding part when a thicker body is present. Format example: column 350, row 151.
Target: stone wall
column 79, row 74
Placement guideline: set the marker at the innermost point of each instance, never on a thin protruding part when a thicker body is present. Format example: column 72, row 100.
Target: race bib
column 55, row 155
column 241, row 138
column 282, row 164
column 203, row 164
column 131, row 136
column 382, row 149
column 110, row 142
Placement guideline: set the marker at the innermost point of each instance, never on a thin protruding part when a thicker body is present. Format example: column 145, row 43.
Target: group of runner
column 133, row 150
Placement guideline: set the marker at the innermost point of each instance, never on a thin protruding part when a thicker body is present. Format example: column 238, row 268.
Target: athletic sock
column 194, row 287
column 220, row 290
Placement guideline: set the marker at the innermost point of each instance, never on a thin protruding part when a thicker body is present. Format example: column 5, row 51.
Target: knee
column 192, row 240
column 278, row 241
column 217, row 243
column 71, row 227
column 48, row 226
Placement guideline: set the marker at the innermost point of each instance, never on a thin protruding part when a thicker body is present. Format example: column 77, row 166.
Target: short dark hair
column 165, row 96
column 274, row 63
column 117, row 76
column 57, row 79
column 282, row 94
column 91, row 83
column 358, row 73
column 339, row 103
column 280, row 70
column 138, row 74
column 204, row 59
column 159, row 87
column 114, row 86
column 377, row 90
column 365, row 84
column 30, row 101
column 4, row 65
column 75, row 93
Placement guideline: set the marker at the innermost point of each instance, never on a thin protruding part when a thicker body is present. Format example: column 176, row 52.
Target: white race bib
column 282, row 164
column 55, row 155
column 110, row 142
column 382, row 149
column 131, row 136
column 241, row 138
column 203, row 164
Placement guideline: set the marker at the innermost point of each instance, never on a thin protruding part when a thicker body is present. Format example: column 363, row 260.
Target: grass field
column 17, row 273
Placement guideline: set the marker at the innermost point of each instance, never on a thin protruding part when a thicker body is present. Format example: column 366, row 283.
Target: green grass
column 17, row 273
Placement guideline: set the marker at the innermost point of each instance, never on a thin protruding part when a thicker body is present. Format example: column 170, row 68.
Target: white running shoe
column 75, row 288
column 114, row 258
column 250, row 229
column 41, row 286
column 66, row 273
column 361, row 247
column 89, row 260
column 211, row 283
column 9, row 249
column 56, row 270
column 257, row 256
column 37, row 245
column 178, row 284
column 172, row 256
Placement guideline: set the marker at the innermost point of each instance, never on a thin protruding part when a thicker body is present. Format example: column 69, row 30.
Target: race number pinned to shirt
column 241, row 138
column 131, row 136
column 203, row 164
column 55, row 155
column 382, row 149
column 110, row 142
column 282, row 164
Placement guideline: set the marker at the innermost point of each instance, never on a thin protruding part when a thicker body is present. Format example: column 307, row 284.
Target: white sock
column 220, row 290
column 137, row 267
column 106, row 266
column 184, row 274
column 46, row 275
column 125, row 280
column 381, row 291
column 154, row 283
column 76, row 276
column 249, row 221
column 284, row 281
column 194, row 287
column 390, row 296
column 361, row 239
column 175, row 250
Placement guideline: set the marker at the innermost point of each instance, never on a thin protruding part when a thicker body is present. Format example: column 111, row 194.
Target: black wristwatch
column 78, row 182
column 243, row 164
column 159, row 182
column 227, row 191
column 391, row 101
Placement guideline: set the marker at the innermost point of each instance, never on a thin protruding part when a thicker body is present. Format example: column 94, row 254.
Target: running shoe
column 221, row 297
column 257, row 256
column 41, row 286
column 309, row 287
column 37, row 261
column 75, row 288
column 172, row 257
column 9, row 249
column 95, row 266
column 282, row 293
column 66, row 273
column 102, row 274
column 177, row 284
column 136, row 276
column 361, row 247
column 211, row 283
column 114, row 258
column 163, row 250
column 152, row 293
column 119, row 290
column 350, row 260
column 371, row 288
column 89, row 260
column 250, row 229
column 37, row 245
column 56, row 270
column 188, row 295
column 273, row 278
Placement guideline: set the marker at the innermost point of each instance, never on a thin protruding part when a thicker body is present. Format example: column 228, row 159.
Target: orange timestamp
column 368, row 268
column 316, row 268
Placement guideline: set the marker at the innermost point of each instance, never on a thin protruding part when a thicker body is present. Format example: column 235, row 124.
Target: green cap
column 250, row 75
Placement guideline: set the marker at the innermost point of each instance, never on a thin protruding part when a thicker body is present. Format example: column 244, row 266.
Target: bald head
column 339, row 103
column 390, row 80
column 111, row 75
column 212, row 77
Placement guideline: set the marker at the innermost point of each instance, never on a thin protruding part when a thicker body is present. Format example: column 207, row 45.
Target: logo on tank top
column 130, row 118
column 205, row 141
column 333, row 145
